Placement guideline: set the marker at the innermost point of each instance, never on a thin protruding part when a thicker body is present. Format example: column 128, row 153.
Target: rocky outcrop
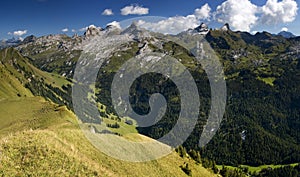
column 112, row 29
column 225, row 27
column 28, row 39
column 138, row 33
column 202, row 29
column 92, row 30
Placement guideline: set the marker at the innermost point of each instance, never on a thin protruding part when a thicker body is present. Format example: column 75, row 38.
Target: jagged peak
column 113, row 25
column 92, row 26
column 201, row 29
column 136, row 31
column 134, row 24
column 30, row 38
column 75, row 36
column 203, row 25
column 225, row 27
column 132, row 28
column 92, row 30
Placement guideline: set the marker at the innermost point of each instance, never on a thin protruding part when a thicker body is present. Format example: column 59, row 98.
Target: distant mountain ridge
column 286, row 34
column 9, row 42
column 93, row 30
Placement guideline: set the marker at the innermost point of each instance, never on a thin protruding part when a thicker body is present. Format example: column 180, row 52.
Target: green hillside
column 260, row 126
column 39, row 138
column 261, row 121
column 21, row 79
column 42, row 138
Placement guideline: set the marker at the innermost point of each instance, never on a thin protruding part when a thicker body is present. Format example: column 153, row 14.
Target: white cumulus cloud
column 114, row 23
column 254, row 32
column 243, row 15
column 83, row 29
column 171, row 25
column 107, row 12
column 65, row 30
column 240, row 14
column 18, row 33
column 134, row 10
column 203, row 12
column 284, row 29
column 274, row 12
column 177, row 24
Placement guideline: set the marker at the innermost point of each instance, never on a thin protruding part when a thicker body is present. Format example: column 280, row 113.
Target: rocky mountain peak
column 112, row 29
column 132, row 28
column 202, row 29
column 75, row 36
column 286, row 34
column 136, row 31
column 113, row 26
column 92, row 30
column 30, row 38
column 225, row 27
column 134, row 24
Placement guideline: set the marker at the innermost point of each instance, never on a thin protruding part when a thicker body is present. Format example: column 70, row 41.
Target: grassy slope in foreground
column 40, row 138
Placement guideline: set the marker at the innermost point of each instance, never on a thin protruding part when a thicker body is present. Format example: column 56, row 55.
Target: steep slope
column 261, row 123
column 41, row 138
column 262, row 116
column 10, row 86
column 21, row 79
column 262, row 73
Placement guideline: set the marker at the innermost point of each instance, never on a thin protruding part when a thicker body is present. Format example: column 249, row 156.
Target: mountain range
column 260, row 125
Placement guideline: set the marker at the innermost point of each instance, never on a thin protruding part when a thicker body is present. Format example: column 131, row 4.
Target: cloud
column 254, row 32
column 114, row 23
column 171, row 25
column 274, row 12
column 203, row 12
column 240, row 14
column 73, row 31
column 243, row 15
column 284, row 29
column 92, row 26
column 134, row 10
column 65, row 30
column 177, row 24
column 107, row 12
column 83, row 29
column 18, row 33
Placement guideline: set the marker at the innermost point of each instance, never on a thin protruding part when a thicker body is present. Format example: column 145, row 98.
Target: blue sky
column 41, row 17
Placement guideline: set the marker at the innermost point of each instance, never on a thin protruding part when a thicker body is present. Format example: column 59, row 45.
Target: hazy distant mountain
column 286, row 34
column 10, row 42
